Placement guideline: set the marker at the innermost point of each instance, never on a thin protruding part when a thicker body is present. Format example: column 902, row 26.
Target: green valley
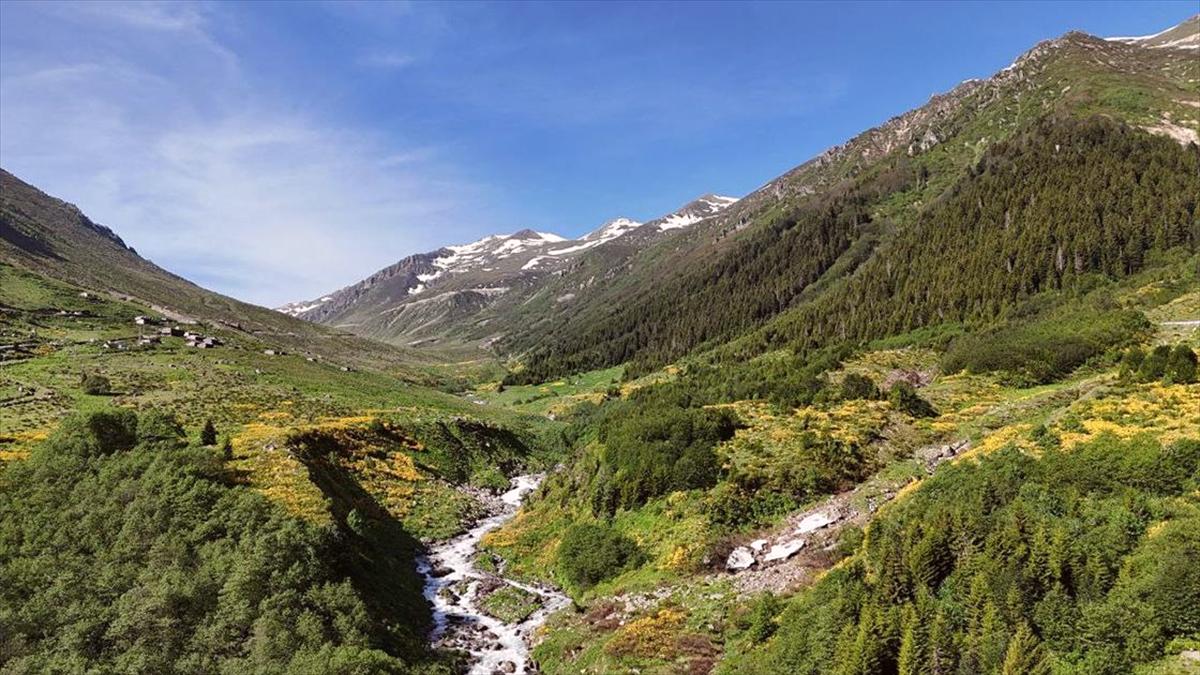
column 928, row 403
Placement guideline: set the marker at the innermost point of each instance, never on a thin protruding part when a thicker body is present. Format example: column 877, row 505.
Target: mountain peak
column 704, row 206
column 612, row 229
column 1184, row 35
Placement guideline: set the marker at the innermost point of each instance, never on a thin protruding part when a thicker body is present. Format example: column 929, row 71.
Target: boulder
column 784, row 551
column 740, row 559
column 815, row 521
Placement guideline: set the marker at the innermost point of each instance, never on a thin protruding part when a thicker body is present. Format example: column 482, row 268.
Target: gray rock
column 740, row 559
column 784, row 551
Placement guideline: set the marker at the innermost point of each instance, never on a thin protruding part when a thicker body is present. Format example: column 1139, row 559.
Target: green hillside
column 853, row 216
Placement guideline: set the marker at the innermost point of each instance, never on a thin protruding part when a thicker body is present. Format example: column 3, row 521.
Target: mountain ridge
column 468, row 277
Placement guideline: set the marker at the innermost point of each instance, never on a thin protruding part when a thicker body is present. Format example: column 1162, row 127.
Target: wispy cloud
column 390, row 60
column 167, row 142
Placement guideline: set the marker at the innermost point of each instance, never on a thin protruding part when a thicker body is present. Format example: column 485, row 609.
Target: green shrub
column 591, row 553
column 855, row 386
column 653, row 447
column 1154, row 367
column 156, row 426
column 1181, row 365
column 1131, row 363
column 94, row 434
column 208, row 433
column 1046, row 346
column 762, row 618
column 95, row 384
column 905, row 399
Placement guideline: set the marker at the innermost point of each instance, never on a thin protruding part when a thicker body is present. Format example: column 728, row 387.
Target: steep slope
column 1184, row 36
column 54, row 238
column 808, row 230
column 461, row 291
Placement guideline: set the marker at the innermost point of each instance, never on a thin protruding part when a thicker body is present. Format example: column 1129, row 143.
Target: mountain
column 810, row 232
column 1183, row 36
column 459, row 290
column 55, row 239
column 653, row 292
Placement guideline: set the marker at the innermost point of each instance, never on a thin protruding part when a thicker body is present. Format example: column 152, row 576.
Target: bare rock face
column 740, row 559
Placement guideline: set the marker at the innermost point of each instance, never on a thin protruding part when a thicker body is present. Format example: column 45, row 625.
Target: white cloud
column 172, row 147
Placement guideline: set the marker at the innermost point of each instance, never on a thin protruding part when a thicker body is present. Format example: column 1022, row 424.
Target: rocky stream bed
column 455, row 586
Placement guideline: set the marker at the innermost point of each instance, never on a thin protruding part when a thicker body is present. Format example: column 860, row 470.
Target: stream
column 452, row 583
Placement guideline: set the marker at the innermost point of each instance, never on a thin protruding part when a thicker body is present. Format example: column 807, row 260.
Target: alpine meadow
column 927, row 403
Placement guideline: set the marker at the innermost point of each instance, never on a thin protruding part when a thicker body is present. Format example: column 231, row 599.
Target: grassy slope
column 255, row 399
column 671, row 613
column 54, row 239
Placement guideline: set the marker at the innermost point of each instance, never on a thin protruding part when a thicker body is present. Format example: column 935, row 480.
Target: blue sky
column 277, row 151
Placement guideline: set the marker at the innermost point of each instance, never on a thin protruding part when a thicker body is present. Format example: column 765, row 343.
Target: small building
column 149, row 340
column 272, row 352
column 143, row 320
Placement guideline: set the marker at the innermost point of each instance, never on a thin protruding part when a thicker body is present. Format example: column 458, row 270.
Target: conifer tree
column 208, row 434
column 1024, row 655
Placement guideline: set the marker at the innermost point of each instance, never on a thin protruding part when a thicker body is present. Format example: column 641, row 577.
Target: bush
column 1131, row 363
column 905, row 399
column 1045, row 347
column 94, row 434
column 591, row 553
column 96, row 385
column 762, row 618
column 1181, row 365
column 653, row 447
column 855, row 386
column 155, row 427
column 1155, row 365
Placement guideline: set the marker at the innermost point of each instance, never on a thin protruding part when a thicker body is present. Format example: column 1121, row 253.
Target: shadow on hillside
column 378, row 554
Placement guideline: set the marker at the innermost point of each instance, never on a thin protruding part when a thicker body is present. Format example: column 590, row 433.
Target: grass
column 511, row 604
column 435, row 441
column 553, row 397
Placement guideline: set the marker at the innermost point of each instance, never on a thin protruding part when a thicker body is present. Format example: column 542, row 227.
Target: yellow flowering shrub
column 648, row 637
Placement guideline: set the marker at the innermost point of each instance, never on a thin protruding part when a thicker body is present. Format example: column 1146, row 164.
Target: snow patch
column 705, row 207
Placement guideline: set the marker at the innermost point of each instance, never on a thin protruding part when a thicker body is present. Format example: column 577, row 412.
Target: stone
column 784, row 551
column 758, row 545
column 814, row 522
column 740, row 559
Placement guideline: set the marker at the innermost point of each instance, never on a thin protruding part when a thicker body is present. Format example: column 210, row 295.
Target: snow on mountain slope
column 704, row 207
column 1183, row 36
column 298, row 308
column 606, row 232
column 426, row 293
